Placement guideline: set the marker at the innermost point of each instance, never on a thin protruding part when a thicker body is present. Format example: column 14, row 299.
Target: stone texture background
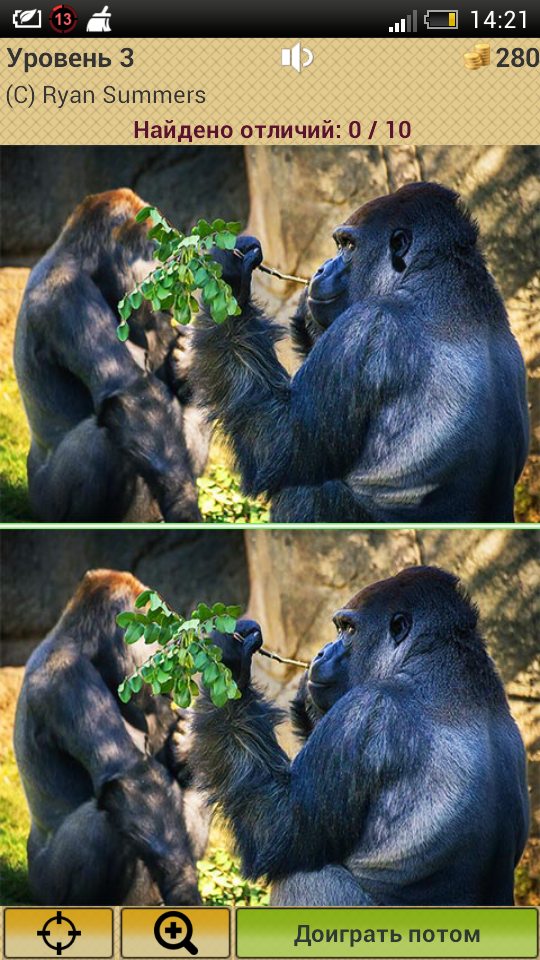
column 41, row 569
column 292, row 582
column 41, row 186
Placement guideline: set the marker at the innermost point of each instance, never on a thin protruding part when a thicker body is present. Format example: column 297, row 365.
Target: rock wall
column 41, row 186
column 300, row 194
column 41, row 569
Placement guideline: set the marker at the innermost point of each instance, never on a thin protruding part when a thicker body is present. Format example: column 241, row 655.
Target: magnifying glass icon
column 173, row 930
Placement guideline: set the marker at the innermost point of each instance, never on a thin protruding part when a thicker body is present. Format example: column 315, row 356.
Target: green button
column 367, row 932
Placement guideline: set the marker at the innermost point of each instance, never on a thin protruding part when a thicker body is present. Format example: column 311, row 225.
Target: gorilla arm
column 309, row 429
column 141, row 414
column 141, row 798
column 288, row 817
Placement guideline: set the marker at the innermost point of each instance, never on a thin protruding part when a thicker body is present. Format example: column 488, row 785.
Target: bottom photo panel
column 267, row 717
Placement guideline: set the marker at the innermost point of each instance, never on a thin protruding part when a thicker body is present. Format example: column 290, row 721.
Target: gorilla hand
column 238, row 655
column 237, row 270
column 178, row 366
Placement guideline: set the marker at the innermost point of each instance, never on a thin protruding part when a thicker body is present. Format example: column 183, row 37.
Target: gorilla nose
column 322, row 268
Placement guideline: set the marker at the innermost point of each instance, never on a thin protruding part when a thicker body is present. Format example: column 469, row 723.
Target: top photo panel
column 227, row 334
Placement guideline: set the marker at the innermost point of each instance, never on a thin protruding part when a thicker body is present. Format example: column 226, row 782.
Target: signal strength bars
column 408, row 24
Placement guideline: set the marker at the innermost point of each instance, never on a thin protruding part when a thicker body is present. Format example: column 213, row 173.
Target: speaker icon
column 290, row 57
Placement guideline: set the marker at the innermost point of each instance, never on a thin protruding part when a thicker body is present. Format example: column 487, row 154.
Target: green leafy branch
column 186, row 265
column 186, row 650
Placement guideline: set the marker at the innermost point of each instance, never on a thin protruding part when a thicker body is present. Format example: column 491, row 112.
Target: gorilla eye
column 400, row 625
column 345, row 626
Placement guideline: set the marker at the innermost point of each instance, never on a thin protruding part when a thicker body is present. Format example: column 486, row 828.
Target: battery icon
column 441, row 19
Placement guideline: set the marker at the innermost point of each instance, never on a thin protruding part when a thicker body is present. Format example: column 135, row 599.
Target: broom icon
column 99, row 22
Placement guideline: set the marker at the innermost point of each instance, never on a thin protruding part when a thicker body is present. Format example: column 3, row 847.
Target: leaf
column 122, row 332
column 143, row 214
column 203, row 229
column 210, row 674
column 182, row 314
column 124, row 618
column 234, row 226
column 220, row 685
column 200, row 660
column 219, row 609
column 201, row 276
column 135, row 682
column 143, row 598
column 134, row 632
column 182, row 697
column 234, row 612
column 155, row 601
column 124, row 692
column 232, row 690
column 218, row 699
column 152, row 633
column 219, row 315
column 136, row 299
column 156, row 687
column 226, row 241
column 124, row 308
column 204, row 611
column 218, row 225
column 210, row 290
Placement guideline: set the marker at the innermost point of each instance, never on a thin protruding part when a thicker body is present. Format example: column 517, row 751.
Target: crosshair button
column 58, row 933
column 51, row 934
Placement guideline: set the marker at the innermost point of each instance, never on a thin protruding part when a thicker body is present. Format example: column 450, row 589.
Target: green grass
column 14, row 827
column 14, row 444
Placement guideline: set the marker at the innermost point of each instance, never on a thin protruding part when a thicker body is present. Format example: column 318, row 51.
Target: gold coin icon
column 472, row 61
column 482, row 49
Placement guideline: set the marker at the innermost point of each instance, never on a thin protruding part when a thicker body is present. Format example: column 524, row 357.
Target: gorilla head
column 390, row 626
column 386, row 239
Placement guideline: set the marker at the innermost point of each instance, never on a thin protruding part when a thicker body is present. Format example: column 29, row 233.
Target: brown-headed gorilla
column 116, row 433
column 411, row 787
column 115, row 815
column 410, row 404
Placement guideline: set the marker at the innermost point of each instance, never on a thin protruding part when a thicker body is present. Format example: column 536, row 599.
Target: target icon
column 70, row 932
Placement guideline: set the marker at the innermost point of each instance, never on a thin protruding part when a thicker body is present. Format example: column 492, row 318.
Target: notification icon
column 63, row 19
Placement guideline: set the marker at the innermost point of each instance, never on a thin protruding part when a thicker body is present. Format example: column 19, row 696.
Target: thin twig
column 274, row 656
column 273, row 273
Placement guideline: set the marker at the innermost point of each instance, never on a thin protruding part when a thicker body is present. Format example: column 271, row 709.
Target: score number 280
column 518, row 57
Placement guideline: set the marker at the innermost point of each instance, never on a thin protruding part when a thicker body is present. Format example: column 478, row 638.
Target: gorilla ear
column 400, row 626
column 400, row 242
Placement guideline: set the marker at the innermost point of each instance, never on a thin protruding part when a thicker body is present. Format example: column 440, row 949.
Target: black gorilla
column 411, row 788
column 410, row 405
column 116, row 434
column 115, row 817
